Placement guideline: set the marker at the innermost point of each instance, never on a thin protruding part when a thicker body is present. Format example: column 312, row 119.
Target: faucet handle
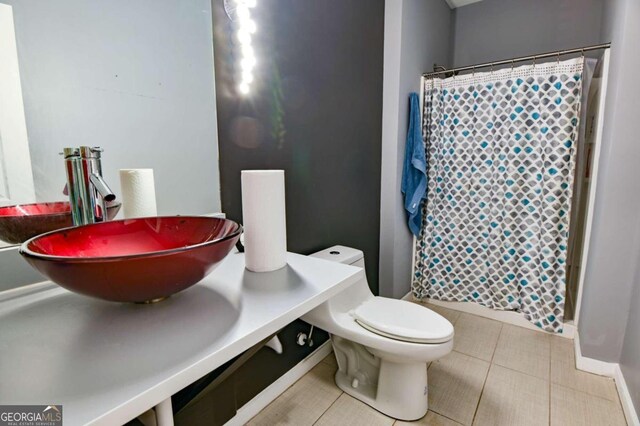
column 70, row 152
column 90, row 151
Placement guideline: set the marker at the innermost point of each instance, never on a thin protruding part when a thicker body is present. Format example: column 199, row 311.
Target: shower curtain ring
column 534, row 61
column 512, row 64
column 491, row 69
column 558, row 57
column 582, row 53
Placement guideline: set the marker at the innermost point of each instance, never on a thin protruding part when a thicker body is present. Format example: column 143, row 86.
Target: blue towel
column 414, row 173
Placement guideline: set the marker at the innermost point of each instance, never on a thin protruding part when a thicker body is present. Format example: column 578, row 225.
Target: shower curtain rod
column 557, row 53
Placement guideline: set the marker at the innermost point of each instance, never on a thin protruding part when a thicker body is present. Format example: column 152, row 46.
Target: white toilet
column 382, row 345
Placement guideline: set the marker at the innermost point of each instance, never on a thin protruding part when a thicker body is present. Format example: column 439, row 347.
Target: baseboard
column 275, row 389
column 625, row 398
column 508, row 317
column 608, row 369
column 591, row 365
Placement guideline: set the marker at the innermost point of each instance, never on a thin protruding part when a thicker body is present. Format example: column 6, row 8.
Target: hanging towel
column 414, row 173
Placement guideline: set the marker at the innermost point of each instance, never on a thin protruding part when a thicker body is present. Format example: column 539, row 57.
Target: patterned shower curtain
column 501, row 153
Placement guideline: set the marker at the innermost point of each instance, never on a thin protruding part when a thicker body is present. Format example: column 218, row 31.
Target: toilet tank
column 346, row 300
column 342, row 254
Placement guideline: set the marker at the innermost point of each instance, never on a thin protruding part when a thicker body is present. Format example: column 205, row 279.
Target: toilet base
column 398, row 390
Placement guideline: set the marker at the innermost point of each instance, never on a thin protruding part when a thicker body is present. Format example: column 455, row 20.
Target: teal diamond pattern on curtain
column 501, row 156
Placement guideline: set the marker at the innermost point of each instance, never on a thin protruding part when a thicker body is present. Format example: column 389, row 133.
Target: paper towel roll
column 138, row 193
column 264, row 220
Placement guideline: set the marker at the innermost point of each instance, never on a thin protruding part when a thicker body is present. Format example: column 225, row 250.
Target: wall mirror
column 134, row 78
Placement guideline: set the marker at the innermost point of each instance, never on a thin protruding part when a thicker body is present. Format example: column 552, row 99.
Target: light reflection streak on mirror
column 246, row 27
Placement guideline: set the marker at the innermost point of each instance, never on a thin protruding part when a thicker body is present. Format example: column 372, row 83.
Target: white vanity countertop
column 106, row 362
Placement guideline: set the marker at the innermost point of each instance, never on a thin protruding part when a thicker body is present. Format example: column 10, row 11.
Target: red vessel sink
column 133, row 260
column 21, row 222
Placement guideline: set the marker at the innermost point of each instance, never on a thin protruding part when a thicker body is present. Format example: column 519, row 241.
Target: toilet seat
column 402, row 320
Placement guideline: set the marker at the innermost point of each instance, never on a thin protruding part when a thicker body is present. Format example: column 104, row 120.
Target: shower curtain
column 501, row 154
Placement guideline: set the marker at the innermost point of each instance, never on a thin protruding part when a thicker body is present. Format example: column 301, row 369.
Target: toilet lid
column 403, row 320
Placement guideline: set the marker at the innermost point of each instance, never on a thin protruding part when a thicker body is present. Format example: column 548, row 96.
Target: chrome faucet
column 87, row 190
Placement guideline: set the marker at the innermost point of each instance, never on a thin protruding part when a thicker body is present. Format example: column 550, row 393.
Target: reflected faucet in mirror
column 87, row 190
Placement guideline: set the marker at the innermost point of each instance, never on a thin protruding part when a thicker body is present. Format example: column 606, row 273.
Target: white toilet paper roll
column 264, row 220
column 138, row 193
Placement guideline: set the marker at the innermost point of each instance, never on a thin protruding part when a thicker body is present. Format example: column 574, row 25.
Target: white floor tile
column 349, row 411
column 304, row 402
column 564, row 372
column 524, row 350
column 513, row 398
column 573, row 408
column 532, row 379
column 476, row 336
column 431, row 419
column 455, row 384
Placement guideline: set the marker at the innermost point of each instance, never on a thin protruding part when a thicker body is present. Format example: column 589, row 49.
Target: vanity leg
column 164, row 413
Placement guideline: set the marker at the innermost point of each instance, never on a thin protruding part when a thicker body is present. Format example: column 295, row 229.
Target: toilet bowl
column 381, row 345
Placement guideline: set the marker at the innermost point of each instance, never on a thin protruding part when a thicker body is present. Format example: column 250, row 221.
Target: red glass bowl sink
column 133, row 260
column 24, row 221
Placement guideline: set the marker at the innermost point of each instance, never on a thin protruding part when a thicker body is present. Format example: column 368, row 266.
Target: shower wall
column 499, row 29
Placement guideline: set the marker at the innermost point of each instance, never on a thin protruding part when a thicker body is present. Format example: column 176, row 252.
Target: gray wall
column 615, row 237
column 135, row 77
column 416, row 36
column 609, row 323
column 15, row 271
column 630, row 356
column 502, row 29
column 315, row 110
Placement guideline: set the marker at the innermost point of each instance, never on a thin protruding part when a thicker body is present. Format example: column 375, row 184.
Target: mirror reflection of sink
column 20, row 222
column 133, row 260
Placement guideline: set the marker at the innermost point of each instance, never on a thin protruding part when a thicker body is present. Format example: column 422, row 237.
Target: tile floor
column 497, row 374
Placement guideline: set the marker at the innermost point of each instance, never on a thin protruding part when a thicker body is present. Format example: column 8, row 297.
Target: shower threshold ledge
column 107, row 363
